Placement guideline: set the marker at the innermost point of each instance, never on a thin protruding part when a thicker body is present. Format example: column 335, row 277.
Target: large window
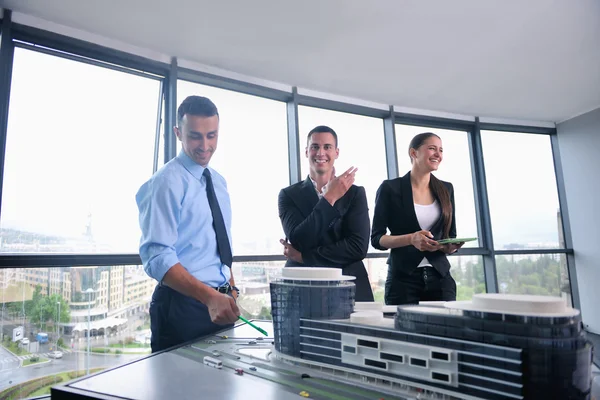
column 522, row 190
column 467, row 271
column 82, row 139
column 540, row 274
column 48, row 310
column 253, row 279
column 455, row 168
column 80, row 143
column 252, row 155
column 361, row 144
column 56, row 307
column 377, row 269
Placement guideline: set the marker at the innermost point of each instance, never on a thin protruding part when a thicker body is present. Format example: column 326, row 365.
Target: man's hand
column 337, row 187
column 290, row 252
column 423, row 241
column 222, row 309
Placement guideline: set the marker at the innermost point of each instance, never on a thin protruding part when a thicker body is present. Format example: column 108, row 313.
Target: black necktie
column 218, row 222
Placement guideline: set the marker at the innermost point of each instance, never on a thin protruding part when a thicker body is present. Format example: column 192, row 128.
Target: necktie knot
column 206, row 173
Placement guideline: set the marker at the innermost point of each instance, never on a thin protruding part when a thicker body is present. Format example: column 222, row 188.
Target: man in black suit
column 326, row 218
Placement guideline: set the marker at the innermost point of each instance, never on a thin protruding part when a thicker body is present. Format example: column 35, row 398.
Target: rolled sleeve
column 159, row 204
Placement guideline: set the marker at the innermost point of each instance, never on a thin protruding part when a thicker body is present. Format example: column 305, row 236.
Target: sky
column 81, row 141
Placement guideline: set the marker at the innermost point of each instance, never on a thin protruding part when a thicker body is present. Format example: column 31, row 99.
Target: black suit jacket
column 395, row 210
column 328, row 236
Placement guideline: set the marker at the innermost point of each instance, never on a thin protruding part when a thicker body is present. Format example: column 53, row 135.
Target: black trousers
column 176, row 319
column 423, row 284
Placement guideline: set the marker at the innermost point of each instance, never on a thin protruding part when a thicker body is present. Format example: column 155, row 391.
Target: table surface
column 181, row 374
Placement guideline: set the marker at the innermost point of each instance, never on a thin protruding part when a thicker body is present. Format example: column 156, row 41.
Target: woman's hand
column 423, row 240
column 452, row 247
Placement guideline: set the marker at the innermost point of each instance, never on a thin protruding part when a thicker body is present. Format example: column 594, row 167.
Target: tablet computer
column 455, row 240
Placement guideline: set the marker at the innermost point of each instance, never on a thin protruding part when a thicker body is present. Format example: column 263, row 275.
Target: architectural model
column 495, row 347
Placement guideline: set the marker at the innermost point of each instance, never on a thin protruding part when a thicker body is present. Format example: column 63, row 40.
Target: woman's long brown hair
column 437, row 187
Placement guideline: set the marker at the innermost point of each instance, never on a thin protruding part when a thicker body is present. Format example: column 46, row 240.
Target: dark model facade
column 432, row 350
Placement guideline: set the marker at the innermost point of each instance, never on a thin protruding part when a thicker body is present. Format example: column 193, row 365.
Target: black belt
column 226, row 288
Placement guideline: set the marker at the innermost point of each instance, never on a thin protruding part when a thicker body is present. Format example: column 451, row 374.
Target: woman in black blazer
column 418, row 210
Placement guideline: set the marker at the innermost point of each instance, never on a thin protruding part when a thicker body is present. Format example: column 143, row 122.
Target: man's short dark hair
column 322, row 129
column 198, row 106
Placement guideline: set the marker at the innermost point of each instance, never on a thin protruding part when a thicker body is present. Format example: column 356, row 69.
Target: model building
column 495, row 347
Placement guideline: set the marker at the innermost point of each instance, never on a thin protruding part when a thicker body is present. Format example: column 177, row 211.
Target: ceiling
column 533, row 60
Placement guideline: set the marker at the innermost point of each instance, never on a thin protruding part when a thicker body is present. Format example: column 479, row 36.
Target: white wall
column 579, row 144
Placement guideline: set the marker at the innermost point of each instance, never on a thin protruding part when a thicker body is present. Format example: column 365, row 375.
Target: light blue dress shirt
column 177, row 224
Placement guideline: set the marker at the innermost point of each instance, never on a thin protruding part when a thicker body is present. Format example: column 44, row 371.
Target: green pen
column 261, row 330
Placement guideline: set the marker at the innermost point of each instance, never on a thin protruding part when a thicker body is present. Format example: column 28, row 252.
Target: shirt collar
column 192, row 166
column 320, row 194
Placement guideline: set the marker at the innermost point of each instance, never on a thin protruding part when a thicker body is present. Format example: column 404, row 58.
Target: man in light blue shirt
column 185, row 217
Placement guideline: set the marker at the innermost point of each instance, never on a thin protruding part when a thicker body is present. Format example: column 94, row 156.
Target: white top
column 427, row 215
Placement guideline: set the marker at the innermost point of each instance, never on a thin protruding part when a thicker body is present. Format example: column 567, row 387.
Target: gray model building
column 496, row 347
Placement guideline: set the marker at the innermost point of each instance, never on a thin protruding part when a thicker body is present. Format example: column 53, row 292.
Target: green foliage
column 265, row 313
column 118, row 351
column 23, row 390
column 99, row 350
column 15, row 348
column 542, row 275
column 78, row 374
column 42, row 309
column 518, row 274
column 379, row 295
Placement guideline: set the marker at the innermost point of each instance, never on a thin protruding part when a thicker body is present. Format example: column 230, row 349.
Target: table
column 180, row 374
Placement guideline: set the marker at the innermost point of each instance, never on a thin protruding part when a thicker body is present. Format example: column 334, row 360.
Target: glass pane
column 361, row 144
column 253, row 279
column 522, row 190
column 253, row 157
column 377, row 269
column 455, row 168
column 541, row 274
column 80, row 143
column 161, row 139
column 467, row 271
column 47, row 313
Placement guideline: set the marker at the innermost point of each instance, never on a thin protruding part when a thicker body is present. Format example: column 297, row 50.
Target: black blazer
column 328, row 236
column 395, row 210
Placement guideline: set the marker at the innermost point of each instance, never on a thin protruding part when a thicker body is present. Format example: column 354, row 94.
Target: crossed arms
column 311, row 237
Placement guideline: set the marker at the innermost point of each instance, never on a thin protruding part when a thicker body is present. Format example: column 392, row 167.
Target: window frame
column 16, row 35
